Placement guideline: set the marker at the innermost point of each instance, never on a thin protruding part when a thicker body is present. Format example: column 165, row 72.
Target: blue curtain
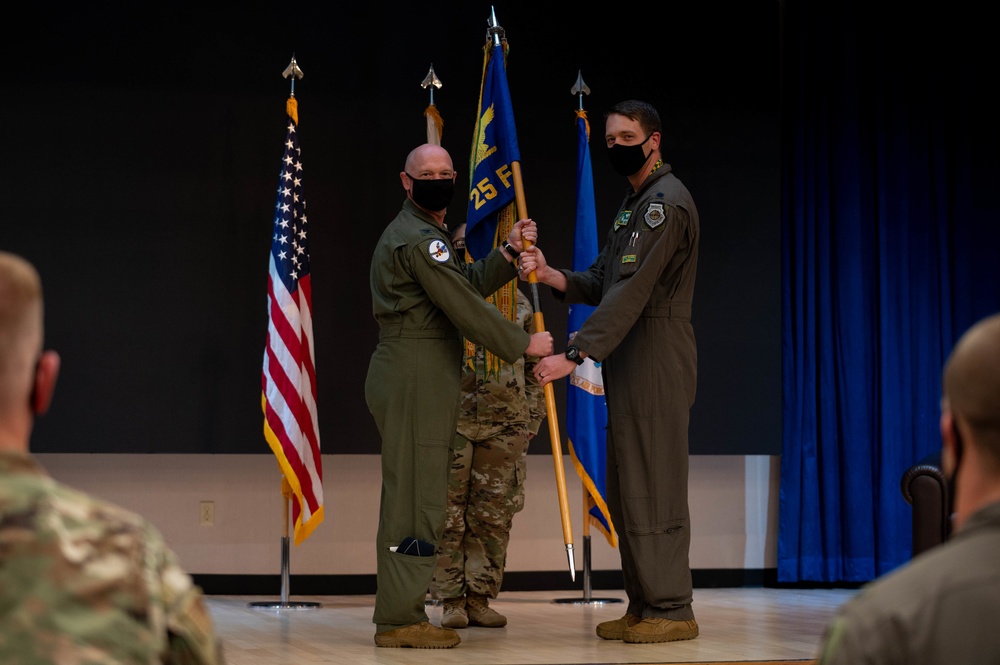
column 891, row 249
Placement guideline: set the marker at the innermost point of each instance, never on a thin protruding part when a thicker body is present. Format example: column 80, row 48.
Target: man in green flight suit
column 425, row 301
column 642, row 284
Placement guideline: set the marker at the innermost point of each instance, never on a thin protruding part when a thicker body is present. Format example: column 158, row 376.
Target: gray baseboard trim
column 550, row 580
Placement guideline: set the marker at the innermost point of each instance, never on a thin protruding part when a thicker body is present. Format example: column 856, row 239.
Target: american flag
column 291, row 427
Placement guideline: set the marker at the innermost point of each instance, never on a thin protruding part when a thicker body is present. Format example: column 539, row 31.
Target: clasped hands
column 550, row 367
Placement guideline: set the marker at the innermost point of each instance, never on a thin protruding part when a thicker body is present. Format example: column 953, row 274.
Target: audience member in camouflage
column 499, row 414
column 81, row 581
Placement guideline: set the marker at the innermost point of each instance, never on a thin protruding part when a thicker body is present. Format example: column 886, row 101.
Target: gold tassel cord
column 432, row 114
column 581, row 113
column 505, row 298
column 292, row 108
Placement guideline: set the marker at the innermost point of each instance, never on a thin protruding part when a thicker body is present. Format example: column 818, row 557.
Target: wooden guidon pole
column 550, row 399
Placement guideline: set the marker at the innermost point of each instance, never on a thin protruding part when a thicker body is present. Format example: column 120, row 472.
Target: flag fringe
column 596, row 498
column 505, row 298
column 291, row 481
column 581, row 113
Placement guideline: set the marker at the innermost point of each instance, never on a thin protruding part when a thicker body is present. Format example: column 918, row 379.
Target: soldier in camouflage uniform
column 81, row 581
column 501, row 410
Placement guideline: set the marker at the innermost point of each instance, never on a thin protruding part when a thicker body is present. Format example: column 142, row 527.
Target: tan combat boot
column 652, row 630
column 614, row 630
column 480, row 614
column 454, row 614
column 421, row 635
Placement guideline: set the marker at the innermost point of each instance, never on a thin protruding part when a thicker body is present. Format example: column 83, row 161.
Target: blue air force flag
column 494, row 150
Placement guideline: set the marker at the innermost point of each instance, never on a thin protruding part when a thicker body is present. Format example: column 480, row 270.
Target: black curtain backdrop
column 141, row 155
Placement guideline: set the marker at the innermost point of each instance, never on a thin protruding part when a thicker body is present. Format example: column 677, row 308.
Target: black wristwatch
column 510, row 250
column 573, row 354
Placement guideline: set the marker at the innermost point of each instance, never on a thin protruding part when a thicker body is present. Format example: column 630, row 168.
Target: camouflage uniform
column 83, row 581
column 486, row 485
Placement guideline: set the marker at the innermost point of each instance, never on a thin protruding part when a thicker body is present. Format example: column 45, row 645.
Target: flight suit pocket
column 396, row 573
column 631, row 255
column 432, row 461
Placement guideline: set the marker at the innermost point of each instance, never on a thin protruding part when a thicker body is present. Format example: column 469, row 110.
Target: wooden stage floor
column 737, row 625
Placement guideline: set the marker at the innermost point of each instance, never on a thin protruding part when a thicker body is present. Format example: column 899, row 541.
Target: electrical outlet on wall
column 207, row 513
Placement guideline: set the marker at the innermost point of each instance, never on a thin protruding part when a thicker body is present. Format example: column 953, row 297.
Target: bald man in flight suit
column 425, row 301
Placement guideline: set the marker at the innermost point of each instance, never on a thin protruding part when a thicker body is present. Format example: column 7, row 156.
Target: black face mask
column 627, row 159
column 433, row 195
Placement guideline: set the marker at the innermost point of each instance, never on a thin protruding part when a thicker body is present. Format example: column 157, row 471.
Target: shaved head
column 971, row 383
column 427, row 157
column 20, row 328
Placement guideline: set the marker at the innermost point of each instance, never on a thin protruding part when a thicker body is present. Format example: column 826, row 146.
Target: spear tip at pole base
column 572, row 562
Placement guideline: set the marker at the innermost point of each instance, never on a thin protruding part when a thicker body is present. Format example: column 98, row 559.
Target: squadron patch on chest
column 438, row 251
column 655, row 215
column 622, row 219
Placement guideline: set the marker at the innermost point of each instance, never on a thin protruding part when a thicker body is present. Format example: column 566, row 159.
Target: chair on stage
column 925, row 487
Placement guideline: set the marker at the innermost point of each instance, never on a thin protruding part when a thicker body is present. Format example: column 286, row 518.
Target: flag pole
column 550, row 400
column 294, row 72
column 435, row 123
column 580, row 89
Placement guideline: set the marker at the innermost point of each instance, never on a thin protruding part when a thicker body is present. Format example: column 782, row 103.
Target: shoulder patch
column 622, row 219
column 438, row 251
column 655, row 215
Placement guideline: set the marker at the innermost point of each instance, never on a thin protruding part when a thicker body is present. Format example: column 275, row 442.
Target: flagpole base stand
column 587, row 599
column 284, row 603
